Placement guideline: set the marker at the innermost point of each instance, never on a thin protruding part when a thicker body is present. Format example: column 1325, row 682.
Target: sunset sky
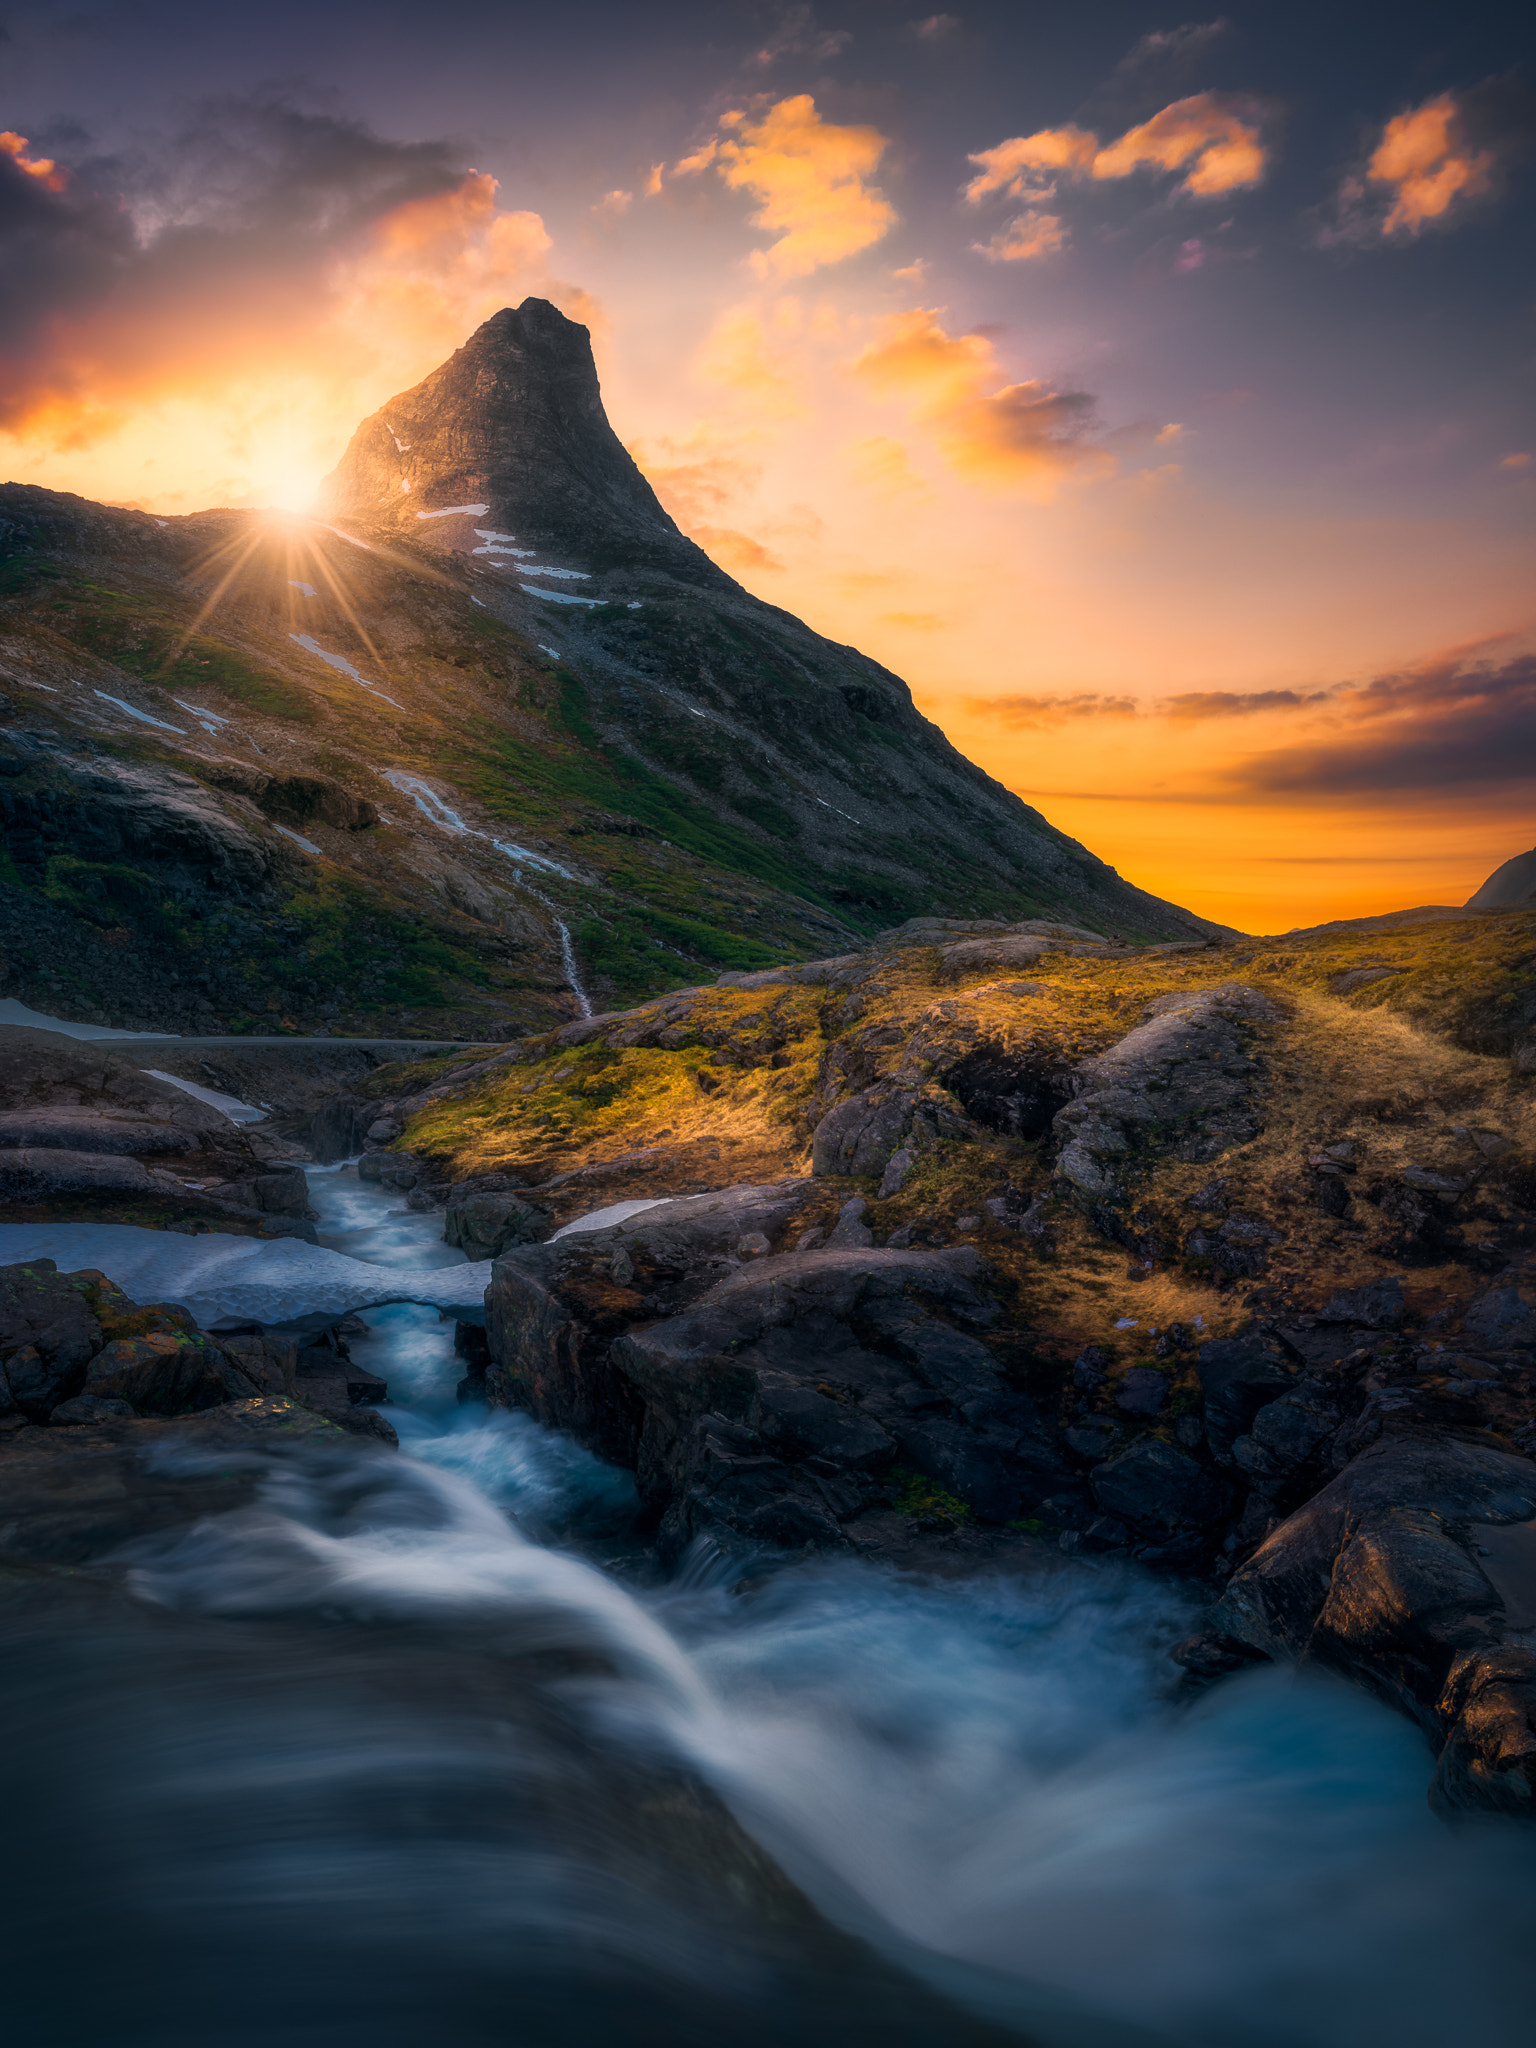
column 1154, row 395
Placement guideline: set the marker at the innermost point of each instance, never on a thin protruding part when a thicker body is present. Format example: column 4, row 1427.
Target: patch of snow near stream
column 602, row 1219
column 223, row 1280
column 237, row 1111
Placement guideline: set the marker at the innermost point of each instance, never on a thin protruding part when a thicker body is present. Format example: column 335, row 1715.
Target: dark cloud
column 254, row 195
column 1038, row 714
column 1171, row 49
column 1457, row 723
column 1196, row 704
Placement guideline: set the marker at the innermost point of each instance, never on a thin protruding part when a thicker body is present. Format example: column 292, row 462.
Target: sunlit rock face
column 512, row 429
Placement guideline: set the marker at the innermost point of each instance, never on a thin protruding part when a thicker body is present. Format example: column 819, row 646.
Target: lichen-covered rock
column 1180, row 1086
column 859, row 1136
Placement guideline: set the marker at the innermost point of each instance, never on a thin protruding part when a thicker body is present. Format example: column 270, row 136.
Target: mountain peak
column 509, row 439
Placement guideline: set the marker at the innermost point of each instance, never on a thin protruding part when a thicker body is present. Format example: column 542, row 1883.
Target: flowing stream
column 404, row 1753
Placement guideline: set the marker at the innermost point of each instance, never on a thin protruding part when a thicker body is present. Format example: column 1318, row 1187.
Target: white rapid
column 992, row 1782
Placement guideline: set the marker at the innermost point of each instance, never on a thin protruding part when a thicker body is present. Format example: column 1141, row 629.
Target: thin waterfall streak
column 432, row 807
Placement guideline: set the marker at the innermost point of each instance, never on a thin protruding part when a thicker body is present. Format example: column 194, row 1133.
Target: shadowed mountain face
column 487, row 740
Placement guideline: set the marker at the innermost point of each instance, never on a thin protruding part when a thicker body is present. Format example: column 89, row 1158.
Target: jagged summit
column 513, row 425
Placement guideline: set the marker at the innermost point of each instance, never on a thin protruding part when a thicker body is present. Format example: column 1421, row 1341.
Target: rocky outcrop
column 1183, row 1086
column 484, row 1222
column 767, row 1397
column 553, row 1310
column 777, row 1408
column 1414, row 1572
column 64, row 1336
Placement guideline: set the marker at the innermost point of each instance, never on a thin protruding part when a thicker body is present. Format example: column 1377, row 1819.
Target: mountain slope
column 458, row 773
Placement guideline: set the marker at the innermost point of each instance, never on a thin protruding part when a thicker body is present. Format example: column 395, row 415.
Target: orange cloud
column 1024, row 437
column 613, row 205
column 695, row 478
column 1026, row 235
column 43, row 168
column 812, row 181
column 882, row 464
column 1019, row 713
column 1428, row 166
column 738, row 355
column 1213, row 139
column 733, row 550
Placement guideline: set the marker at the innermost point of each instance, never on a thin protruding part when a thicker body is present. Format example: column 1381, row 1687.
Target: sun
column 287, row 490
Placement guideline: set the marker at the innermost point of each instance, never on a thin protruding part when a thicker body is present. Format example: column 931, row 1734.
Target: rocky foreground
column 982, row 1242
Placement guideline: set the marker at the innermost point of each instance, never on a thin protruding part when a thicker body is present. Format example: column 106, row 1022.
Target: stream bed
column 408, row 1751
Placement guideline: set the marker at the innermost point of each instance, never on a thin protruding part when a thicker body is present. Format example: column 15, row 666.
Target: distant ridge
column 1510, row 887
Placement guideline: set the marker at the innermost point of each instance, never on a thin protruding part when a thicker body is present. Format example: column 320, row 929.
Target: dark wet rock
column 1180, row 1086
column 39, row 1175
column 283, row 1193
column 484, row 1225
column 397, row 1170
column 1414, row 1572
column 1142, row 1391
column 1160, row 1491
column 166, row 1373
column 335, row 1129
column 85, row 1408
column 554, row 1309
column 48, row 1335
column 71, row 1130
column 73, row 1495
column 1379, row 1305
column 1239, row 1376
column 771, row 1410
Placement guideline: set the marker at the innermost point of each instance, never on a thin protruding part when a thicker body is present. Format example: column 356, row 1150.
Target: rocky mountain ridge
column 459, row 758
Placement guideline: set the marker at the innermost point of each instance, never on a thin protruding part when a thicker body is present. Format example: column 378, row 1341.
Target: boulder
column 1180, row 1086
column 168, row 1372
column 1414, row 1572
column 81, row 1130
column 771, row 1409
column 1504, row 1318
column 1379, row 1305
column 553, row 1310
column 484, row 1224
column 1238, row 1376
column 48, row 1335
column 1159, row 1490
column 860, row 1135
